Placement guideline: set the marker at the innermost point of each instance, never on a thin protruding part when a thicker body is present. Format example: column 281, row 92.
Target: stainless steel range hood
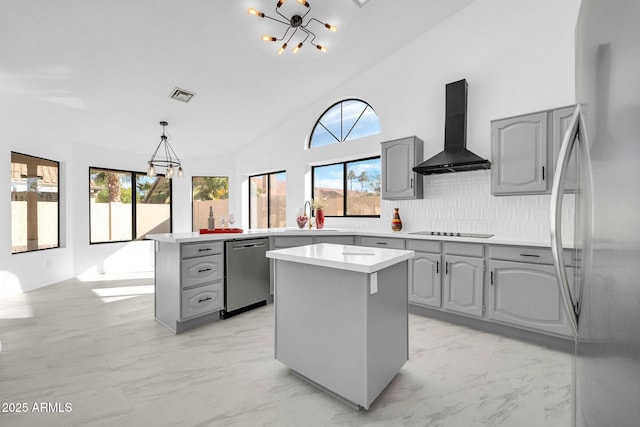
column 455, row 157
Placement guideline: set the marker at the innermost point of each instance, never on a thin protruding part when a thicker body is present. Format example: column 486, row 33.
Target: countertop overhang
column 343, row 257
column 193, row 237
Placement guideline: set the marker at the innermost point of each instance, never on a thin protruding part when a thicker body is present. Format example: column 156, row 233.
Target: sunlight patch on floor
column 122, row 292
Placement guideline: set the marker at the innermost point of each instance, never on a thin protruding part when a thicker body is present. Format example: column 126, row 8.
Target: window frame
column 58, row 245
column 310, row 143
column 344, row 185
column 267, row 174
column 134, row 209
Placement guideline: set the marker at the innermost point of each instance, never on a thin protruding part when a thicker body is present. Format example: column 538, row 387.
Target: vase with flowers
column 318, row 206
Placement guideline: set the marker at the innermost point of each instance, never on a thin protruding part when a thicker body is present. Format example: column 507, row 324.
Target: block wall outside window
column 35, row 209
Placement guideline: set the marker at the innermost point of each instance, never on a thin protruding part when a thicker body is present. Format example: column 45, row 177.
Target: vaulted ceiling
column 101, row 71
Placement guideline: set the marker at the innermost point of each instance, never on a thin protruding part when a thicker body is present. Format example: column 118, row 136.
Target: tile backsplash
column 462, row 202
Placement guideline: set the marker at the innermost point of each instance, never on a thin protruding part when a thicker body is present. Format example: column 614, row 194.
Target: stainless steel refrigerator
column 595, row 210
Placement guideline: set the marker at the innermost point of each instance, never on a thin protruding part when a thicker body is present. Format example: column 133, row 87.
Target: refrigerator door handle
column 555, row 225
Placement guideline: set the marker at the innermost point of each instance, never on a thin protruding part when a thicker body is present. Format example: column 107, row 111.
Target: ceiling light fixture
column 170, row 160
column 295, row 23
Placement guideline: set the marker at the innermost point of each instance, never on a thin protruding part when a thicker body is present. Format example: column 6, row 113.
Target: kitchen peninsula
column 341, row 316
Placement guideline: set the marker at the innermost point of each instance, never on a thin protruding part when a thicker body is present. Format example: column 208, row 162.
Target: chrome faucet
column 310, row 211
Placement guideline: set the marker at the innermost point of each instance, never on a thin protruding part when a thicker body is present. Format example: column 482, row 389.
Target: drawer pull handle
column 203, row 270
column 530, row 255
column 205, row 249
column 437, row 267
column 446, row 268
column 382, row 243
column 204, row 299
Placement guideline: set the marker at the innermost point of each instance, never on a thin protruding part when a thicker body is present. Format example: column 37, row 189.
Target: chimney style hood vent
column 455, row 157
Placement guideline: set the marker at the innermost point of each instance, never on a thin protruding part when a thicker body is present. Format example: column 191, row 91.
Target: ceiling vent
column 181, row 95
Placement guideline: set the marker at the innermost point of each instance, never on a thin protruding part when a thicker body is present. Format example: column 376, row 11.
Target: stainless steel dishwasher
column 246, row 274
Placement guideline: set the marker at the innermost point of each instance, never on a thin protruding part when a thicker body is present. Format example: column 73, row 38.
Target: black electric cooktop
column 452, row 234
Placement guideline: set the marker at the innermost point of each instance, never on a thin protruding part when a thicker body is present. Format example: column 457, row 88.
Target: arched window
column 344, row 121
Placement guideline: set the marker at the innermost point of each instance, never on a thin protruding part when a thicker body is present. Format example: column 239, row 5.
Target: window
column 344, row 121
column 127, row 205
column 209, row 192
column 35, row 210
column 268, row 200
column 349, row 188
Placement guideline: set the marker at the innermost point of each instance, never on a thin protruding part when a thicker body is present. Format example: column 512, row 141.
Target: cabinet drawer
column 382, row 242
column 423, row 246
column 530, row 254
column 202, row 300
column 201, row 249
column 338, row 240
column 290, row 242
column 201, row 270
column 464, row 249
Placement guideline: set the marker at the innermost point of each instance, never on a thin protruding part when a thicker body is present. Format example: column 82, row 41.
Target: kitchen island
column 342, row 316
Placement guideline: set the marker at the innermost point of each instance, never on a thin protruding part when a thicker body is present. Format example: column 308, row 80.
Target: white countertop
column 274, row 232
column 343, row 257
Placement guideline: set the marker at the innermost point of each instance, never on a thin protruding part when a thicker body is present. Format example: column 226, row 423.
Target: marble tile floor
column 95, row 346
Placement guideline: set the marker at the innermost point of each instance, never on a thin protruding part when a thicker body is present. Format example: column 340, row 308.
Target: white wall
column 517, row 57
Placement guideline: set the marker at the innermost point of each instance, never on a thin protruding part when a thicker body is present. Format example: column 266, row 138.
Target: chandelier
column 295, row 23
column 170, row 160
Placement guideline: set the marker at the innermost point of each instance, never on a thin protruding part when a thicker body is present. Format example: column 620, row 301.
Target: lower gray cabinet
column 528, row 295
column 202, row 300
column 463, row 284
column 424, row 279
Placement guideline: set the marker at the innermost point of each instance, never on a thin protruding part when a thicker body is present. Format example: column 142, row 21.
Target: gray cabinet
column 528, row 295
column 560, row 123
column 381, row 242
column 425, row 274
column 463, row 284
column 189, row 283
column 398, row 158
column 524, row 150
column 464, row 278
column 519, row 154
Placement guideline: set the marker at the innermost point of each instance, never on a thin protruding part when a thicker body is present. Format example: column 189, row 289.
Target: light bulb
column 169, row 171
column 297, row 48
column 280, row 3
column 322, row 48
column 151, row 172
column 331, row 27
column 304, row 2
column 180, row 172
column 282, row 48
column 255, row 12
column 268, row 38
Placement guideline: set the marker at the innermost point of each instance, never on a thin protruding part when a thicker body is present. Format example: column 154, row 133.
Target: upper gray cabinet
column 524, row 150
column 398, row 158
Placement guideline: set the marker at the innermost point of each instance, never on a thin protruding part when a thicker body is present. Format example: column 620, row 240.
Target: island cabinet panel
column 463, row 285
column 341, row 330
column 528, row 295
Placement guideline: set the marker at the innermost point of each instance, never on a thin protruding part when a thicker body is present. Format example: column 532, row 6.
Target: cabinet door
column 561, row 118
column 463, row 284
column 398, row 158
column 519, row 155
column 424, row 279
column 526, row 295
